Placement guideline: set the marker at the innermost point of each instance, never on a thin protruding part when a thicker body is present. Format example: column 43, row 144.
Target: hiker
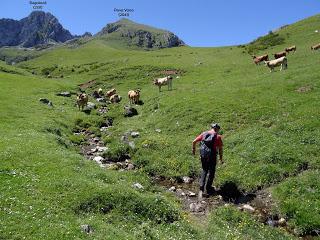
column 210, row 145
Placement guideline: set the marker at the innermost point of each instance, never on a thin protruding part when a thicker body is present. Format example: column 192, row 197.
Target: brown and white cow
column 315, row 47
column 291, row 49
column 111, row 92
column 134, row 96
column 82, row 100
column 277, row 62
column 163, row 81
column 259, row 59
column 280, row 54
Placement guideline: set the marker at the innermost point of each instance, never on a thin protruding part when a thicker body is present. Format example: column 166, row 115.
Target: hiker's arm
column 194, row 143
column 221, row 154
column 220, row 147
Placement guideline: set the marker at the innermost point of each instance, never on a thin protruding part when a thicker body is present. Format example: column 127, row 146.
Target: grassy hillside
column 269, row 123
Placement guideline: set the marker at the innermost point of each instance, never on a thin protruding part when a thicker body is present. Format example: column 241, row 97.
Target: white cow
column 277, row 62
column 163, row 81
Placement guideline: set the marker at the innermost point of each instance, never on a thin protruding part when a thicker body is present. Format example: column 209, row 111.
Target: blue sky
column 198, row 23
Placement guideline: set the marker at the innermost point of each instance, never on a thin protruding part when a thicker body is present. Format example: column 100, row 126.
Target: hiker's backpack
column 206, row 145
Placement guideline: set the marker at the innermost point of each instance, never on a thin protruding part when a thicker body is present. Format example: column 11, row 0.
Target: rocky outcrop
column 38, row 28
column 134, row 34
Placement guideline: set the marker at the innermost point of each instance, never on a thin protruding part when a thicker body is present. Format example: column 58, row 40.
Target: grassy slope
column 270, row 129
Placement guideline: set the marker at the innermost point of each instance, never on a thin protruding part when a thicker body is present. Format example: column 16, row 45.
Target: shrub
column 264, row 42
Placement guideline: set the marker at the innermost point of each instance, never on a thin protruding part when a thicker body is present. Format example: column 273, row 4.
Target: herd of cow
column 280, row 58
column 134, row 95
column 113, row 97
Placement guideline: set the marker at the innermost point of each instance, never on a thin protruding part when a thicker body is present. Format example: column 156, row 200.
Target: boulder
column 46, row 101
column 90, row 106
column 190, row 194
column 158, row 130
column 135, row 134
column 87, row 228
column 172, row 189
column 64, row 94
column 187, row 179
column 101, row 99
column 248, row 208
column 95, row 94
column 98, row 159
column 130, row 111
column 101, row 149
column 130, row 166
column 282, row 222
column 132, row 145
column 180, row 192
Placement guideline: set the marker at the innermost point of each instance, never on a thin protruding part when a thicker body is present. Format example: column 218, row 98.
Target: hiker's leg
column 203, row 175
column 212, row 171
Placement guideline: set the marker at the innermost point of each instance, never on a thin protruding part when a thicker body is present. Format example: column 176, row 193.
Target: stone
column 172, row 189
column 282, row 222
column 132, row 145
column 96, row 139
column 44, row 100
column 124, row 139
column 87, row 228
column 190, row 194
column 186, row 179
column 180, row 192
column 248, row 208
column 98, row 159
column 271, row 222
column 137, row 186
column 93, row 150
column 64, row 94
column 104, row 129
column 130, row 166
column 101, row 149
column 103, row 110
column 95, row 94
column 158, row 130
column 135, row 134
column 90, row 105
column 130, row 111
column 101, row 100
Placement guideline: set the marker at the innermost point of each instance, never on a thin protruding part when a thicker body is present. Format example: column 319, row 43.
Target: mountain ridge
column 41, row 28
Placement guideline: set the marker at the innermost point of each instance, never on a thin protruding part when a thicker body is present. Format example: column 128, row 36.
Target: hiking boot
column 211, row 191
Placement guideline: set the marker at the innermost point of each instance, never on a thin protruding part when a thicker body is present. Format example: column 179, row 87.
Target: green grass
column 271, row 131
column 229, row 223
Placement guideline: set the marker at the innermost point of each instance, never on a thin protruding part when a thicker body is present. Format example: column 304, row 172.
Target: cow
column 115, row 98
column 277, row 62
column 134, row 96
column 292, row 48
column 111, row 92
column 163, row 81
column 315, row 47
column 280, row 54
column 259, row 59
column 82, row 100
